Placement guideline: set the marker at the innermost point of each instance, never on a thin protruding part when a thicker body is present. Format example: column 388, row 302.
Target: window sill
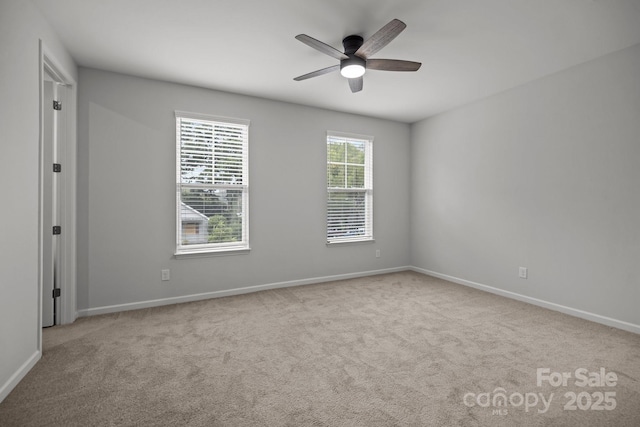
column 210, row 253
column 351, row 242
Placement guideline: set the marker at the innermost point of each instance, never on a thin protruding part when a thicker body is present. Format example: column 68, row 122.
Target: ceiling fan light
column 352, row 71
column 352, row 67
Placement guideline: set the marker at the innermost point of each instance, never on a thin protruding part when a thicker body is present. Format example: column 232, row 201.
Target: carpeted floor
column 401, row 349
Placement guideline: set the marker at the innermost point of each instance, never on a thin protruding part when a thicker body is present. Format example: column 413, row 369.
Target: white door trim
column 67, row 191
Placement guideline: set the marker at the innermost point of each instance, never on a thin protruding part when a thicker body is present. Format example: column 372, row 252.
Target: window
column 349, row 188
column 212, row 186
column 190, row 228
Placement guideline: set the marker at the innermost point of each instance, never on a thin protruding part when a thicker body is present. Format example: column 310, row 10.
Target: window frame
column 220, row 248
column 366, row 190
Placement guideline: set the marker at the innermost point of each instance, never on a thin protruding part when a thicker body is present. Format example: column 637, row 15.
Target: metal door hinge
column 57, row 229
column 57, row 167
column 56, row 292
column 57, row 105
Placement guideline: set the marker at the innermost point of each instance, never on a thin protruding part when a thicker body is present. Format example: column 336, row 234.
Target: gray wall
column 545, row 176
column 21, row 27
column 126, row 194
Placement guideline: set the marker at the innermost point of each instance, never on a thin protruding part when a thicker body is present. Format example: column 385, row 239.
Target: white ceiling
column 469, row 49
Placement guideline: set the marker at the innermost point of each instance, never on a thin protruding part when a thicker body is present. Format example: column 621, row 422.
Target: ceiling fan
column 356, row 57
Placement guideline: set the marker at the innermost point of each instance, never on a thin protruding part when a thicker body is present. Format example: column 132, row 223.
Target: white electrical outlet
column 522, row 272
column 377, row 253
column 166, row 275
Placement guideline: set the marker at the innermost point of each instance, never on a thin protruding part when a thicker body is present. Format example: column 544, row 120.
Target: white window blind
column 212, row 185
column 349, row 187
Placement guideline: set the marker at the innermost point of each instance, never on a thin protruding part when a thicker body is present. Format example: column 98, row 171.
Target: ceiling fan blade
column 322, row 47
column 318, row 73
column 380, row 39
column 392, row 65
column 356, row 84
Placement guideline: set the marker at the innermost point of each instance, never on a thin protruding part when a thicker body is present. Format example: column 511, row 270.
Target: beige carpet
column 400, row 349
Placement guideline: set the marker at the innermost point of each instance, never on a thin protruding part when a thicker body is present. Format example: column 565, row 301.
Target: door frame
column 66, row 155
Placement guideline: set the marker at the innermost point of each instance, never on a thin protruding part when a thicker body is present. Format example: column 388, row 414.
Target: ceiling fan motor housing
column 351, row 45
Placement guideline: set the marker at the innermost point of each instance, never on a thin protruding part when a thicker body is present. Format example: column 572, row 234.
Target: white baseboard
column 238, row 291
column 19, row 375
column 541, row 303
column 230, row 292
